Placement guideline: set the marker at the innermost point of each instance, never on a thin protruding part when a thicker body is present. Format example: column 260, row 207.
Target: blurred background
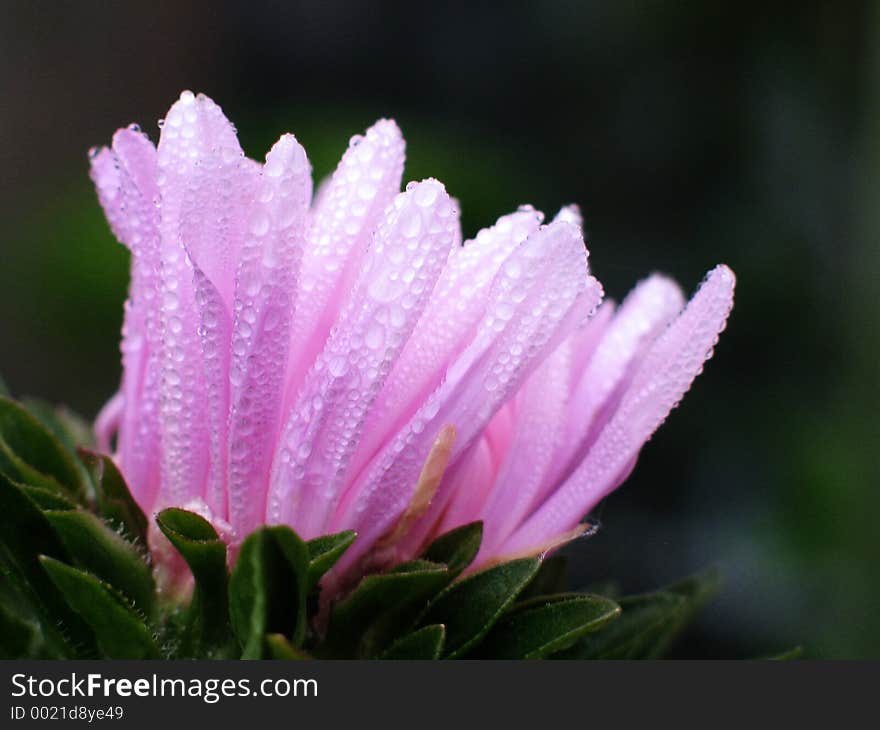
column 690, row 133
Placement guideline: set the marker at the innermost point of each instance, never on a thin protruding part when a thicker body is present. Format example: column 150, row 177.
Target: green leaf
column 31, row 453
column 205, row 554
column 382, row 607
column 113, row 498
column 642, row 631
column 649, row 623
column 471, row 607
column 268, row 588
column 426, row 643
column 456, row 548
column 4, row 389
column 120, row 632
column 325, row 551
column 279, row 647
column 25, row 534
column 97, row 549
column 542, row 626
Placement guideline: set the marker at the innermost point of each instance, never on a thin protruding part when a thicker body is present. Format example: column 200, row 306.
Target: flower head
column 344, row 361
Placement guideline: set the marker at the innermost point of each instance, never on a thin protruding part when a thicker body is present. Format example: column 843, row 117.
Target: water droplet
column 338, row 366
column 410, row 222
column 260, row 224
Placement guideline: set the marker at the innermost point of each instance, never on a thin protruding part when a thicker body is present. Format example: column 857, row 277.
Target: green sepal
column 207, row 621
column 97, row 549
column 31, row 453
column 456, row 548
column 325, row 551
column 121, row 633
column 470, row 607
column 4, row 389
column 539, row 627
column 425, row 643
column 113, row 498
column 278, row 647
column 268, row 589
column 382, row 607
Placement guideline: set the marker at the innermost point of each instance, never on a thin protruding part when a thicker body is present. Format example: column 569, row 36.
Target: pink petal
column 219, row 184
column 570, row 214
column 215, row 327
column 194, row 130
column 644, row 314
column 408, row 252
column 126, row 179
column 350, row 205
column 540, row 409
column 455, row 308
column 470, row 480
column 533, row 307
column 585, row 340
column 264, row 300
column 664, row 376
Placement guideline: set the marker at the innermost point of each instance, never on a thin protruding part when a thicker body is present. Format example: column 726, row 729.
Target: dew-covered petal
column 456, row 306
column 540, row 408
column 193, row 128
column 532, row 307
column 218, row 191
column 409, row 249
column 346, row 213
column 264, row 300
column 644, row 314
column 663, row 377
column 585, row 340
column 126, row 179
column 214, row 330
column 570, row 214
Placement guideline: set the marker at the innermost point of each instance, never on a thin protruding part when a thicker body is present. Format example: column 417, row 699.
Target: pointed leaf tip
column 472, row 606
column 543, row 626
column 112, row 496
column 648, row 623
column 324, row 551
column 29, row 451
column 424, row 643
column 456, row 548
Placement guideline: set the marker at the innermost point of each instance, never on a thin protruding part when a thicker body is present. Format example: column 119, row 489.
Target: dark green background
column 690, row 133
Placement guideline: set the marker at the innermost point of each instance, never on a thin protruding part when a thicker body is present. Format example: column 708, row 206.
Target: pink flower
column 345, row 362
